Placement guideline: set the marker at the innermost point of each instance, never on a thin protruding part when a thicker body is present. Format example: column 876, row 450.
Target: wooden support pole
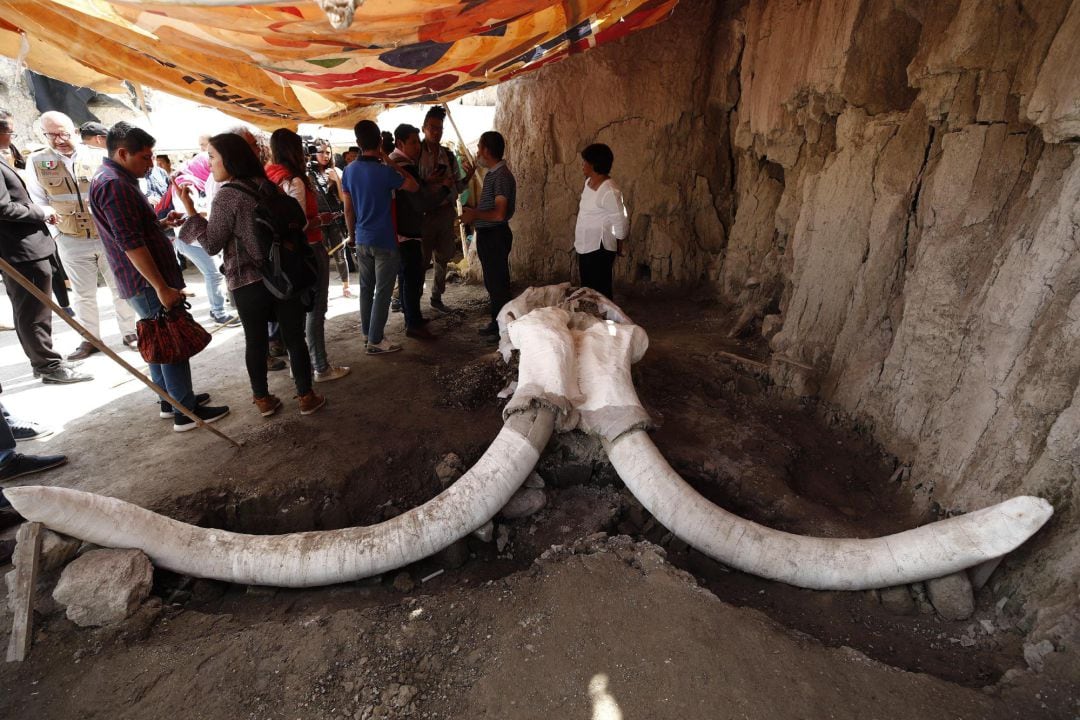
column 12, row 274
column 27, row 559
column 472, row 161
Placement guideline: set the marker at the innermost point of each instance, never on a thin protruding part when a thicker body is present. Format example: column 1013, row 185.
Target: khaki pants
column 440, row 244
column 83, row 259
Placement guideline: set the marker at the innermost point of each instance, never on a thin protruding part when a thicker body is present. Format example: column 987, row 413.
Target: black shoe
column 182, row 423
column 26, row 430
column 19, row 465
column 439, row 305
column 489, row 329
column 273, row 363
column 82, row 352
column 165, row 411
column 395, row 305
column 64, row 375
column 277, row 349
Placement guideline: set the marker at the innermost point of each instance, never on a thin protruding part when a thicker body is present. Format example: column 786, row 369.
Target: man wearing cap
column 93, row 134
column 58, row 179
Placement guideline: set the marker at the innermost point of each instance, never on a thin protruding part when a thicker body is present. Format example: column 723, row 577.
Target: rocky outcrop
column 895, row 184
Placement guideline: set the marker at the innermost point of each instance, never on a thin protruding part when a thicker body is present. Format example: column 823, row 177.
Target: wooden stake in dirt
column 12, row 274
column 472, row 161
column 27, row 558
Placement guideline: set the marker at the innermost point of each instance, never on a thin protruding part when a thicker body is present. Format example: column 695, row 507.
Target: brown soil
column 497, row 634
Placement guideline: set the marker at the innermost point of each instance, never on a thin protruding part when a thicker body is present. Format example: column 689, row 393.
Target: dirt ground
column 620, row 621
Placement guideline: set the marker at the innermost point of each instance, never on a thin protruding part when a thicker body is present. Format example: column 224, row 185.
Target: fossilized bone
column 574, row 370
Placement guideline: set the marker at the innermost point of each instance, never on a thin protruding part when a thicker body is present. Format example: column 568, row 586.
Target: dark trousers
column 595, row 270
column 257, row 307
column 493, row 248
column 411, row 278
column 33, row 320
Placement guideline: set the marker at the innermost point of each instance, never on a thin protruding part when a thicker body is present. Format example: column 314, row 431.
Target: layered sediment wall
column 890, row 188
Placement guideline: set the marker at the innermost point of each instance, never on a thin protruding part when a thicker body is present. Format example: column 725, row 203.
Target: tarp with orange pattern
column 269, row 62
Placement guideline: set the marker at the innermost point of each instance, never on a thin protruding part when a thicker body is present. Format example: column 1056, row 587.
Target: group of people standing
column 398, row 206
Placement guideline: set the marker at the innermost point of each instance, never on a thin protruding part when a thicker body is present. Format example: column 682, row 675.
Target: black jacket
column 23, row 234
column 412, row 206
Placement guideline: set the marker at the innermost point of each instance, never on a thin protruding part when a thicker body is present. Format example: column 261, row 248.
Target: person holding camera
column 326, row 181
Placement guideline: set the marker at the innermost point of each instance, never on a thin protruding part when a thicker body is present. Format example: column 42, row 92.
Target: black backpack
column 288, row 269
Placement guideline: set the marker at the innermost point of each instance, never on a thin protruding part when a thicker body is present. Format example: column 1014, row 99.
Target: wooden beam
column 12, row 274
column 27, row 559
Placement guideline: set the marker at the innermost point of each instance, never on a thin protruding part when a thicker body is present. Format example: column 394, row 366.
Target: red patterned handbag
column 171, row 337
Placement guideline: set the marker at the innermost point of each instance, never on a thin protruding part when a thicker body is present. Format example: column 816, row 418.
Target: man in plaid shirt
column 142, row 257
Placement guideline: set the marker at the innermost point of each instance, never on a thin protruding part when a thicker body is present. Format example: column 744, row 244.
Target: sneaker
column 420, row 333
column 489, row 329
column 165, row 411
column 182, row 423
column 274, row 363
column 277, row 348
column 63, row 363
column 395, row 305
column 63, row 375
column 18, row 465
column 439, row 305
column 331, row 373
column 82, row 352
column 268, row 405
column 383, row 348
column 225, row 319
column 26, row 430
column 311, row 402
column 132, row 341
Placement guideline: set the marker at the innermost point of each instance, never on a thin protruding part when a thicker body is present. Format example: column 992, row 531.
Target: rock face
column 104, row 586
column 894, row 184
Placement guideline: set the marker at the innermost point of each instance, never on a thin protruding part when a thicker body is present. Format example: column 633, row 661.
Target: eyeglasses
column 63, row 135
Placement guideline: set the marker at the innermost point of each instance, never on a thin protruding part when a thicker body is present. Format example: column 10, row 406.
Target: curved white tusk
column 926, row 552
column 611, row 409
column 304, row 559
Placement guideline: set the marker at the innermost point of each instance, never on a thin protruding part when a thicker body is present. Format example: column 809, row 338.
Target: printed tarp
column 270, row 62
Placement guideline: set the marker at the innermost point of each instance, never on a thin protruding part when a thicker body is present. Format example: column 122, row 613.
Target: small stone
column 952, row 596
column 104, row 586
column 1035, row 654
column 534, row 480
column 897, row 600
column 524, row 503
column 770, row 325
column 449, row 469
column 403, row 582
column 485, row 532
column 503, row 540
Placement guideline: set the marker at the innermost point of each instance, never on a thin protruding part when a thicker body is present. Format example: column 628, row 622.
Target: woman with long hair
column 231, row 230
column 288, row 170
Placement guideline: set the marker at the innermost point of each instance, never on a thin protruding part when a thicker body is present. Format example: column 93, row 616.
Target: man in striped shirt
column 142, row 258
column 492, row 220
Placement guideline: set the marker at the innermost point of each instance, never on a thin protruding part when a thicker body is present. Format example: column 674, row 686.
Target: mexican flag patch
column 48, row 164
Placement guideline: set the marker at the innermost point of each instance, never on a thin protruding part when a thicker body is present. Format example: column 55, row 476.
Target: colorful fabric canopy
column 269, row 62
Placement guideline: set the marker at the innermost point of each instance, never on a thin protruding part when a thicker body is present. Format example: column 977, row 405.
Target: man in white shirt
column 58, row 180
column 602, row 221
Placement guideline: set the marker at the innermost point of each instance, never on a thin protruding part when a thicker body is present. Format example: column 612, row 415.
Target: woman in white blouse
column 602, row 221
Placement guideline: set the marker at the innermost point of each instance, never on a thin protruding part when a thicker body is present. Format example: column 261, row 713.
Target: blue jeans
column 378, row 270
column 208, row 266
column 174, row 378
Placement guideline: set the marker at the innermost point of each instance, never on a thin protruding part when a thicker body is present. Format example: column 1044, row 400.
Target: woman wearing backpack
column 289, row 171
column 232, row 231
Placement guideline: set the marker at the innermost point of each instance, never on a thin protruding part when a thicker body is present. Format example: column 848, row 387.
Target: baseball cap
column 93, row 129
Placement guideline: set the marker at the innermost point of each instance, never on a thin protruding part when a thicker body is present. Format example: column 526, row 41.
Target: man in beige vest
column 58, row 179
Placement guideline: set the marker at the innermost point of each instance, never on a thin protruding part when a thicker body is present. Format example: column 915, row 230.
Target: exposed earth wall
column 891, row 190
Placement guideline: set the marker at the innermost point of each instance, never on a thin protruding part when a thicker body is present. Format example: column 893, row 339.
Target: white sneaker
column 382, row 348
column 331, row 373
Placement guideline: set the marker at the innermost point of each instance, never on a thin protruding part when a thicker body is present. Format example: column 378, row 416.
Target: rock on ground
column 952, row 596
column 524, row 503
column 104, row 586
